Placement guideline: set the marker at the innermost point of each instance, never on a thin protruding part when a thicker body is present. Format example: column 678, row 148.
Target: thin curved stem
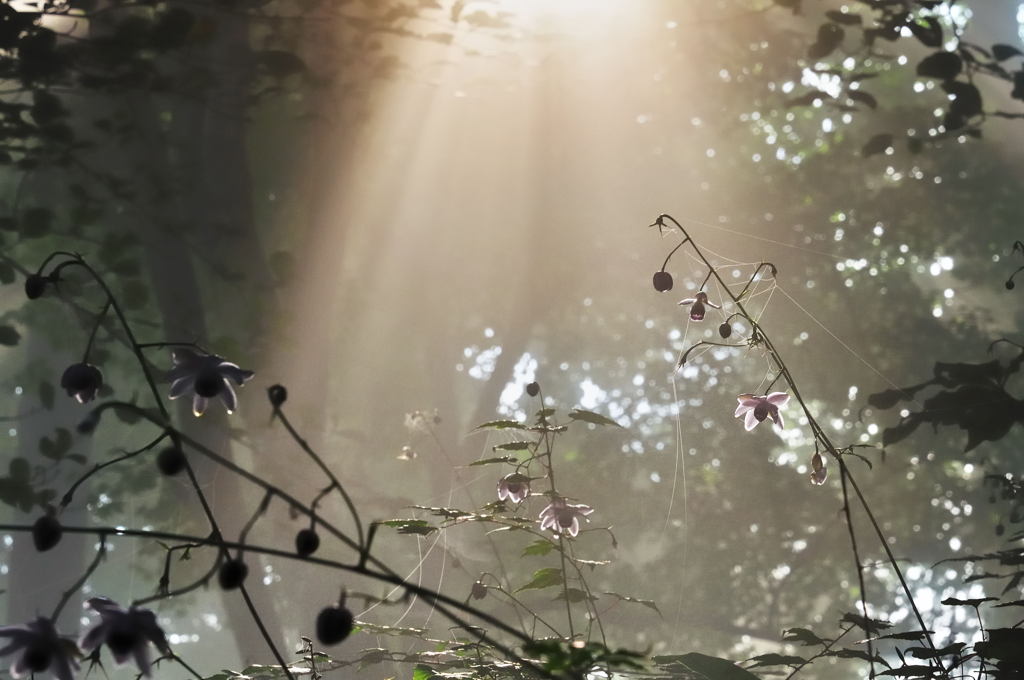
column 101, row 552
column 69, row 495
column 304, row 445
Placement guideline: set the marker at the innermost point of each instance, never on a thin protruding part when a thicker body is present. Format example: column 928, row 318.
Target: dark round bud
column 1000, row 529
column 82, row 381
column 209, row 383
column 46, row 533
column 277, row 394
column 232, row 573
column 662, row 281
column 1010, row 284
column 37, row 658
column 479, row 591
column 725, row 330
column 171, row 461
column 35, row 286
column 306, row 542
column 333, row 625
column 533, row 389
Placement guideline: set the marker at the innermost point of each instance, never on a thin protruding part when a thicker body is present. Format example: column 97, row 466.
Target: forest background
column 401, row 207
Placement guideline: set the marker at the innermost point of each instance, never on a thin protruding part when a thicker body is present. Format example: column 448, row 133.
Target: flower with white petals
column 205, row 376
column 563, row 517
column 514, row 487
column 127, row 632
column 755, row 409
column 42, row 648
column 698, row 309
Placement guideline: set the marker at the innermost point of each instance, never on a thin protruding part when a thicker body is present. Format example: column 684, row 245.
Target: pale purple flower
column 205, row 376
column 514, row 487
column 755, row 409
column 698, row 310
column 818, row 472
column 127, row 632
column 41, row 648
column 563, row 517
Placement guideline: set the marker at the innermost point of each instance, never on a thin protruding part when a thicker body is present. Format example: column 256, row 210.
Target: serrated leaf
column 591, row 417
column 710, row 667
column 491, row 461
column 650, row 604
column 543, row 578
column 803, row 636
column 929, row 653
column 512, row 446
column 776, row 660
column 973, row 602
column 912, row 671
column 500, row 425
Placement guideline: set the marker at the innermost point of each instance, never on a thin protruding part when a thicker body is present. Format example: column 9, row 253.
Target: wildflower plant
column 532, row 500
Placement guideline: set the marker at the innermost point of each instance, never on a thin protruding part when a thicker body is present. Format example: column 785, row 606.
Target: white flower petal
column 182, row 386
column 229, row 370
column 778, row 398
column 227, row 395
column 199, row 405
column 751, row 421
column 688, row 301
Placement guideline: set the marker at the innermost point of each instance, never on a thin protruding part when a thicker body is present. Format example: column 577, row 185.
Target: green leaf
column 1002, row 52
column 776, row 660
column 538, row 547
column 500, row 425
column 512, row 446
column 912, row 672
column 942, row 65
column 574, row 595
column 9, row 336
column 804, row 636
column 710, row 667
column 975, row 602
column 591, row 417
column 929, row 653
column 422, row 673
column 650, row 604
column 490, row 461
column 543, row 578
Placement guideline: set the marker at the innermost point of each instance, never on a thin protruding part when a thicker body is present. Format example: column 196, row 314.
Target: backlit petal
column 778, row 398
column 751, row 421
